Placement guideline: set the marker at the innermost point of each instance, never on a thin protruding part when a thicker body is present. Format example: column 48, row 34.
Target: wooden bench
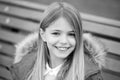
column 20, row 18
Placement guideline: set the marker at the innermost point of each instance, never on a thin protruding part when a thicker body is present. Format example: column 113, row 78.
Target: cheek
column 50, row 40
column 72, row 41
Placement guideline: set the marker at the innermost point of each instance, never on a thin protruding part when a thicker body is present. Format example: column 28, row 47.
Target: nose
column 63, row 39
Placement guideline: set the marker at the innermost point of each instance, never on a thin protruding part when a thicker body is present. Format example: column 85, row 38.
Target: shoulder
column 25, row 56
column 21, row 69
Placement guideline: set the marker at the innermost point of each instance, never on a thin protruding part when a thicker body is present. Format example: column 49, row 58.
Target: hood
column 93, row 48
column 26, row 46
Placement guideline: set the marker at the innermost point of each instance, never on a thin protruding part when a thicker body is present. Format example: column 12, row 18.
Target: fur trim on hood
column 93, row 47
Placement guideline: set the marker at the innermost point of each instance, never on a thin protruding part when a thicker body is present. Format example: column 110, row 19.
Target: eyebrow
column 55, row 30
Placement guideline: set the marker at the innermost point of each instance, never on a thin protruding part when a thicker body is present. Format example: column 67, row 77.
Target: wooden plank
column 10, row 37
column 100, row 19
column 113, row 46
column 20, row 12
column 26, row 4
column 18, row 23
column 7, row 49
column 5, row 60
column 101, row 29
column 112, row 64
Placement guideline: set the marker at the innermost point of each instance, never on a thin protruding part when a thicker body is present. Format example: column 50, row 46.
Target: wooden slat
column 101, row 29
column 25, row 4
column 100, row 19
column 18, row 23
column 7, row 49
column 112, row 64
column 20, row 12
column 11, row 37
column 5, row 60
column 113, row 47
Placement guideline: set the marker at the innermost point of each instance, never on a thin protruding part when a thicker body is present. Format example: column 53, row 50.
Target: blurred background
column 19, row 18
column 105, row 8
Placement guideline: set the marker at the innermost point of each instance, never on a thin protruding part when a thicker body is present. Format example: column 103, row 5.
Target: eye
column 56, row 33
column 72, row 34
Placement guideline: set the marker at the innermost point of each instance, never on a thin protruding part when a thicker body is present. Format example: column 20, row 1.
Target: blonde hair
column 73, row 68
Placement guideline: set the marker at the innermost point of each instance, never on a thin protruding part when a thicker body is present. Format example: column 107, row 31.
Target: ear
column 42, row 33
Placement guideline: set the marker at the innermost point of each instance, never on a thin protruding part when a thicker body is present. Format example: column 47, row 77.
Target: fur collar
column 92, row 48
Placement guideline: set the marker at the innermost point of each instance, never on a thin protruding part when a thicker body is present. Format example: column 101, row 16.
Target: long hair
column 73, row 68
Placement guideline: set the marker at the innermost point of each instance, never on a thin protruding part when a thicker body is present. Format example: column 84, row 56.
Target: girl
column 59, row 50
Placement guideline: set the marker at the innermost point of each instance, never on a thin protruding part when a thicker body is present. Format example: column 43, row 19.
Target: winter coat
column 26, row 54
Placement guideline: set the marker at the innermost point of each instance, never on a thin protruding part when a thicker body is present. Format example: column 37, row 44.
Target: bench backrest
column 20, row 18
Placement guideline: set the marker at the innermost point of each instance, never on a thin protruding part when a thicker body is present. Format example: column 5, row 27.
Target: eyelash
column 57, row 33
column 71, row 34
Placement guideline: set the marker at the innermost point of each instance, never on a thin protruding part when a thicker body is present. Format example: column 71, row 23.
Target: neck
column 55, row 62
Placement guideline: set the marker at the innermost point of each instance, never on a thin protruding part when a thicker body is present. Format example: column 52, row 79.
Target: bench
column 20, row 18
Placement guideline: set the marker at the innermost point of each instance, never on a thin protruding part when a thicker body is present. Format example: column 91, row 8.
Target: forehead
column 61, row 24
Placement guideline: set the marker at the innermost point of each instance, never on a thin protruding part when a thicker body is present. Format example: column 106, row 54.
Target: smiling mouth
column 62, row 48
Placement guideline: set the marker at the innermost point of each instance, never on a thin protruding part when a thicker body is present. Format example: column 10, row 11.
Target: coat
column 26, row 54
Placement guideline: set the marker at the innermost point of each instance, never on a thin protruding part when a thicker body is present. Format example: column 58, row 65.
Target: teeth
column 62, row 48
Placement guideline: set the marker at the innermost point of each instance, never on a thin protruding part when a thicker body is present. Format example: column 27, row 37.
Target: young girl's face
column 60, row 38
